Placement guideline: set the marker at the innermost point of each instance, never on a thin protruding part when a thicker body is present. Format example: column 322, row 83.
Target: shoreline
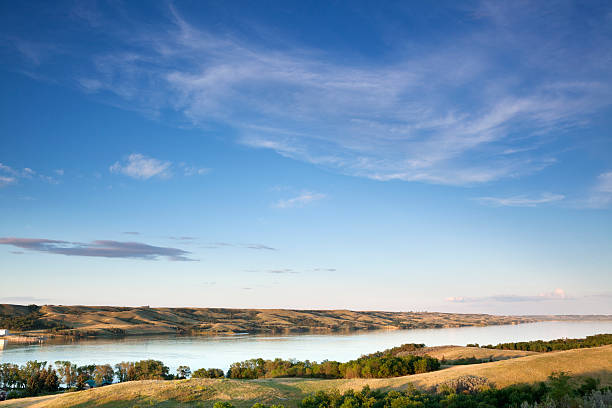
column 75, row 322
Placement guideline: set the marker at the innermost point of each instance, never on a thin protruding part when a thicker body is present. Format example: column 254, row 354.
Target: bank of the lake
column 221, row 351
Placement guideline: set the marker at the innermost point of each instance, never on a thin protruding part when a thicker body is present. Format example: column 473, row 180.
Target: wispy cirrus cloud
column 557, row 294
column 194, row 171
column 601, row 194
column 98, row 248
column 140, row 166
column 214, row 245
column 6, row 180
column 521, row 201
column 471, row 107
column 290, row 271
column 301, row 200
column 285, row 271
column 23, row 300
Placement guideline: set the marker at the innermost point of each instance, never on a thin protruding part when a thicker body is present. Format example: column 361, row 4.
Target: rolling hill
column 114, row 321
column 593, row 362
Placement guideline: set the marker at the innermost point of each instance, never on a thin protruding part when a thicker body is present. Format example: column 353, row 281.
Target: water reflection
column 220, row 352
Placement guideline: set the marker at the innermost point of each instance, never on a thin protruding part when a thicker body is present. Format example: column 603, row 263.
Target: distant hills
column 110, row 321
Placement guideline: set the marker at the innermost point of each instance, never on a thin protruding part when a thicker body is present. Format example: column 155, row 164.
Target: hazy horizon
column 439, row 157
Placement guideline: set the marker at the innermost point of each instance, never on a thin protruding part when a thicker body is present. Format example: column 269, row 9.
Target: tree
column 210, row 373
column 84, row 373
column 103, row 374
column 9, row 375
column 125, row 371
column 183, row 372
column 67, row 372
column 150, row 370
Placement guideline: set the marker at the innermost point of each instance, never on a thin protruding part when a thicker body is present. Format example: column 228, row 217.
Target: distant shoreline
column 112, row 322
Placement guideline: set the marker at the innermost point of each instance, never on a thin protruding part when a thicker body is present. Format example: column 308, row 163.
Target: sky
column 402, row 156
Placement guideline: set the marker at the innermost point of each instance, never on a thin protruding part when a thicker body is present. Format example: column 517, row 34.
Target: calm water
column 220, row 352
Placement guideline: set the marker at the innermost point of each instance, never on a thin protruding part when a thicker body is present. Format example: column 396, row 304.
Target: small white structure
column 4, row 332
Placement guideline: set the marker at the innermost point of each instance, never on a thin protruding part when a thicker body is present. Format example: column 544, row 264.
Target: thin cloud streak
column 23, row 300
column 99, row 248
column 300, row 201
column 521, row 201
column 557, row 294
column 601, row 194
column 215, row 245
column 398, row 120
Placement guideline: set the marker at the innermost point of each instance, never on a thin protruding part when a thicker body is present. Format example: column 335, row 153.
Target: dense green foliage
column 466, row 361
column 33, row 378
column 371, row 366
column 556, row 394
column 208, row 373
column 142, row 370
column 554, row 345
column 30, row 321
column 394, row 351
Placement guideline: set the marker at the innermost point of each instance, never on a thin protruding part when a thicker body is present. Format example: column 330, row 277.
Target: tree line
column 370, row 366
column 553, row 345
column 36, row 377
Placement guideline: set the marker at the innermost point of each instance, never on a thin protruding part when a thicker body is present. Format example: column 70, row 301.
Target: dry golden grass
column 105, row 320
column 594, row 362
column 450, row 353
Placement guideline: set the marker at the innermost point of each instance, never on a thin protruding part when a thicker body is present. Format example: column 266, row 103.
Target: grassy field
column 594, row 362
column 450, row 353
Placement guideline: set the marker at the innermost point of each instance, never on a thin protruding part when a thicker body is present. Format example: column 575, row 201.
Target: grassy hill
column 113, row 321
column 450, row 353
column 594, row 362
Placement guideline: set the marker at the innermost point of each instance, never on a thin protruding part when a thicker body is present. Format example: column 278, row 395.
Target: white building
column 4, row 332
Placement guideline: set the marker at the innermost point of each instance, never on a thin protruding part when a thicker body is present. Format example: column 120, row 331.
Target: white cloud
column 10, row 175
column 605, row 183
column 393, row 121
column 521, row 201
column 7, row 169
column 299, row 201
column 468, row 108
column 139, row 166
column 6, row 180
column 600, row 196
column 557, row 294
column 195, row 171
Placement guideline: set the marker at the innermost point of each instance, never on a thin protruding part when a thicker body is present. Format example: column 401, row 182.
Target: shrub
column 466, row 384
column 208, row 373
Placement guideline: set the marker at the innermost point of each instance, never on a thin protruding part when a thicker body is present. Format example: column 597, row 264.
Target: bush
column 554, row 345
column 208, row 373
column 223, row 404
column 466, row 384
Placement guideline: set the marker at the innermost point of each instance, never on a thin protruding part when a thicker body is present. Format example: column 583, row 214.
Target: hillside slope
column 113, row 321
column 450, row 353
column 595, row 362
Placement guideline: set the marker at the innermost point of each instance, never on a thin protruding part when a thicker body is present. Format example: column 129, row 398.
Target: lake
column 220, row 352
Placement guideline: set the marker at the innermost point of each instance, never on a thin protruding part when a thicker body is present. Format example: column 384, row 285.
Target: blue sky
column 307, row 155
